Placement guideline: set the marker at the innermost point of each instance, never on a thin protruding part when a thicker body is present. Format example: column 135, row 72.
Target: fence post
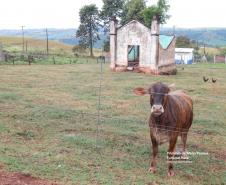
column 29, row 59
column 54, row 62
column 99, row 106
column 214, row 59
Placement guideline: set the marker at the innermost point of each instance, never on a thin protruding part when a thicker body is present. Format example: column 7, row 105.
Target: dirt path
column 7, row 178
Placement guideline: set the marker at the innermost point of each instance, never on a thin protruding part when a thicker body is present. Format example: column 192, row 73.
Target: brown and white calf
column 171, row 116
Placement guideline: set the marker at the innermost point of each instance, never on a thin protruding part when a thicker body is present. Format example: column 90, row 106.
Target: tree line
column 92, row 19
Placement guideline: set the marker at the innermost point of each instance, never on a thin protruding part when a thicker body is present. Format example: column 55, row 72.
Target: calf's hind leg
column 184, row 140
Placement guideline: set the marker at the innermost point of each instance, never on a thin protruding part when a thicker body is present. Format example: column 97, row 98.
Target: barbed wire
column 100, row 118
column 104, row 118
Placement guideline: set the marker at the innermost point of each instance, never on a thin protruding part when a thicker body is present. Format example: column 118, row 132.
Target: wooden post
column 29, row 61
column 214, row 59
column 30, row 58
column 54, row 62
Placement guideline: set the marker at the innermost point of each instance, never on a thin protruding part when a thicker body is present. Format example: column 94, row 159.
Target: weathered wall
column 166, row 56
column 166, row 59
column 151, row 51
column 133, row 33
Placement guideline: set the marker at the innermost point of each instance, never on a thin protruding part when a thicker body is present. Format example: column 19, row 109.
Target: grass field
column 48, row 125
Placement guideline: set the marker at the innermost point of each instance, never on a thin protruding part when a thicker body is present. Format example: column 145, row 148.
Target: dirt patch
column 7, row 178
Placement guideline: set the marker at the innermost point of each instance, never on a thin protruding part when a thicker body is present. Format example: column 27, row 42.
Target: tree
column 111, row 8
column 183, row 42
column 160, row 10
column 222, row 51
column 133, row 10
column 106, row 45
column 89, row 27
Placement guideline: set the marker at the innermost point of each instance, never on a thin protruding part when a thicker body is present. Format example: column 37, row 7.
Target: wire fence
column 165, row 128
column 101, row 117
column 118, row 136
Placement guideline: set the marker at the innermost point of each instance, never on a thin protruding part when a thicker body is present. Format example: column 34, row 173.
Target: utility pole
column 47, row 42
column 204, row 49
column 23, row 36
column 26, row 46
column 174, row 30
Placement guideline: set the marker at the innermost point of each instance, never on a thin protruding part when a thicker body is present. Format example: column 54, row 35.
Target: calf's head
column 158, row 96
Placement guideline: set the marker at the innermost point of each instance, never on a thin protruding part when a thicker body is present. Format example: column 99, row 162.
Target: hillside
column 209, row 36
column 66, row 36
column 14, row 44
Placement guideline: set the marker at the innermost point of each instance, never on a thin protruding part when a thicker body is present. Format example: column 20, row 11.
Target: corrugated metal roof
column 184, row 50
column 165, row 40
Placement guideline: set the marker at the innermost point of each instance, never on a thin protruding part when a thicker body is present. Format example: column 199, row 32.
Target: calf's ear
column 140, row 91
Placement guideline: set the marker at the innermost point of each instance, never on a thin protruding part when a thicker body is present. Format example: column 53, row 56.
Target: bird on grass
column 214, row 80
column 205, row 79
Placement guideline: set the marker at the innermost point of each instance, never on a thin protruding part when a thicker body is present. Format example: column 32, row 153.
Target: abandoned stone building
column 135, row 47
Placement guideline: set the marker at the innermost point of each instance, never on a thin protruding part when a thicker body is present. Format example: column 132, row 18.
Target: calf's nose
column 157, row 108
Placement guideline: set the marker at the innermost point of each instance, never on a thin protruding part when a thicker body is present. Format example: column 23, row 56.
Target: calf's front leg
column 153, row 161
column 172, row 144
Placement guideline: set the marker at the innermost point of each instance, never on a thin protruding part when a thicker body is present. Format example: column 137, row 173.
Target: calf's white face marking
column 157, row 109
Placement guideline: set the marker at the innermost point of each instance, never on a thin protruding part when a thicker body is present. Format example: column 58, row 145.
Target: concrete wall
column 113, row 37
column 152, row 57
column 133, row 33
column 166, row 56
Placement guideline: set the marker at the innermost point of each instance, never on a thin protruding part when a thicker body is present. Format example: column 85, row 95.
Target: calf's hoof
column 171, row 173
column 152, row 170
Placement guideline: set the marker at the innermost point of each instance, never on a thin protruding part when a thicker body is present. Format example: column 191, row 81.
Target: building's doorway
column 133, row 55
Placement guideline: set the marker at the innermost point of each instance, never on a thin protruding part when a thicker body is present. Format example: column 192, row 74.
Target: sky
column 65, row 13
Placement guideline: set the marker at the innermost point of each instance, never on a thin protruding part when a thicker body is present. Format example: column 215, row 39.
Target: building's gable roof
column 132, row 22
column 165, row 40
